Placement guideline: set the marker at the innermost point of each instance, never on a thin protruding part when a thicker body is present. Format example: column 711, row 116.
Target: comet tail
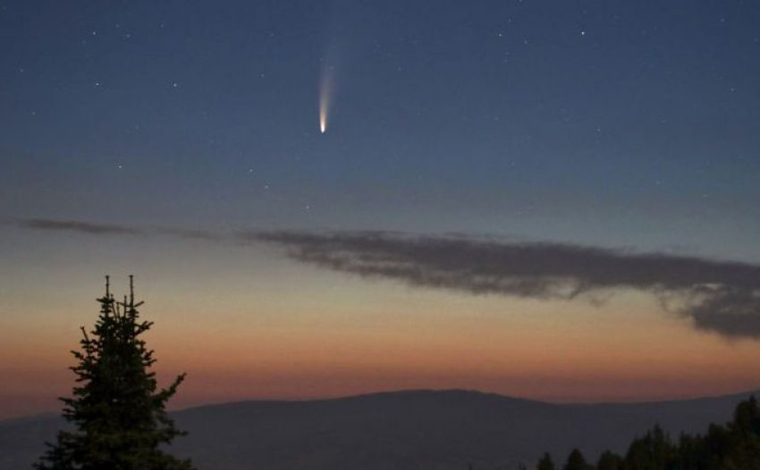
column 325, row 96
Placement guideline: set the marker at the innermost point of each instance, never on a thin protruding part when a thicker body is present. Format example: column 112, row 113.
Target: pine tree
column 546, row 463
column 654, row 451
column 576, row 461
column 609, row 461
column 117, row 412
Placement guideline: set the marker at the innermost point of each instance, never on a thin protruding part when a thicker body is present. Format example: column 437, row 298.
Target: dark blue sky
column 611, row 123
column 180, row 141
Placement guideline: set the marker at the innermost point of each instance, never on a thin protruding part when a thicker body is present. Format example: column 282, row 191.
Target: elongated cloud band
column 78, row 227
column 718, row 296
column 723, row 297
column 91, row 228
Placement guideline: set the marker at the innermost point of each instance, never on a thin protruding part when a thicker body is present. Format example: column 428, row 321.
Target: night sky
column 572, row 190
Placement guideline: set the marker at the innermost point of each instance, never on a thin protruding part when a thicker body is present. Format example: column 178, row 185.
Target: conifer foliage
column 117, row 412
column 546, row 463
column 735, row 446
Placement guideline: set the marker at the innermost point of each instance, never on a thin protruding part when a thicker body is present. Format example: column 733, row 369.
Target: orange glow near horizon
column 314, row 346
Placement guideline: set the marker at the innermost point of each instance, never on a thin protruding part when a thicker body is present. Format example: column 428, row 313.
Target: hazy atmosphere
column 555, row 200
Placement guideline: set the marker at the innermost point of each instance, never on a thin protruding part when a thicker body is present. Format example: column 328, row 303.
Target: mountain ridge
column 405, row 430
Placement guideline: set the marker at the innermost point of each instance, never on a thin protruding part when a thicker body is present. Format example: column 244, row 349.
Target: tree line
column 733, row 446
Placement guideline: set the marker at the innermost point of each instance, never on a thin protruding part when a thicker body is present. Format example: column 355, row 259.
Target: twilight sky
column 550, row 199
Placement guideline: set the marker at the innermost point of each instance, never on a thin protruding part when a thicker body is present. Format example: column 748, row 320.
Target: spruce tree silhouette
column 118, row 415
column 609, row 461
column 576, row 461
column 546, row 463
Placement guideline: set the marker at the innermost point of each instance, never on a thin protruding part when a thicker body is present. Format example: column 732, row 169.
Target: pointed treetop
column 116, row 410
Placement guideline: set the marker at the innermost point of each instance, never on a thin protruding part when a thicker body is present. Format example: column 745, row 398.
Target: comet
column 322, row 119
column 326, row 87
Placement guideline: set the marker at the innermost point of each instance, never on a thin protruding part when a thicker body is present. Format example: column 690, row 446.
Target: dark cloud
column 78, row 226
column 723, row 297
column 112, row 229
column 188, row 234
column 718, row 296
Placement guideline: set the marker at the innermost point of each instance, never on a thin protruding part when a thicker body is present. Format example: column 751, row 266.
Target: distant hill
column 409, row 430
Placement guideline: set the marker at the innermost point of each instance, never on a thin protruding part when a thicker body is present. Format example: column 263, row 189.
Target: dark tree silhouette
column 576, row 461
column 651, row 452
column 609, row 461
column 735, row 446
column 117, row 412
column 546, row 463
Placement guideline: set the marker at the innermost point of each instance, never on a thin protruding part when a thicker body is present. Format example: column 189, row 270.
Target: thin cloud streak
column 188, row 234
column 722, row 297
column 78, row 227
column 90, row 228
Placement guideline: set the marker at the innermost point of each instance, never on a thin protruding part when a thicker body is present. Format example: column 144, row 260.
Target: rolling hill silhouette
column 432, row 430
